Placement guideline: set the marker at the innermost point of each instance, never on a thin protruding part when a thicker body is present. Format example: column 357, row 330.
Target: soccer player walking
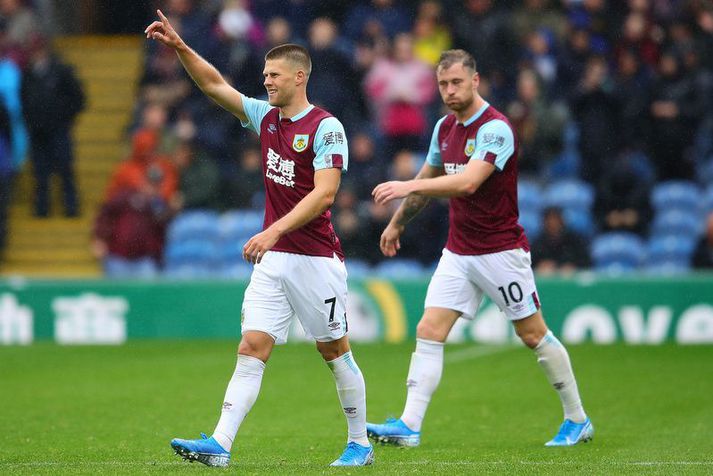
column 472, row 160
column 299, row 268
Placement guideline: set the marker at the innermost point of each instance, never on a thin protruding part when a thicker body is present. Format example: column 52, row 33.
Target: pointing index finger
column 163, row 18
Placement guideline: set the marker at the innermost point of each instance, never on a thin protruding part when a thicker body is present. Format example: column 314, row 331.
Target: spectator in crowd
column 483, row 30
column 558, row 249
column 400, row 105
column 52, row 97
column 596, row 111
column 704, row 35
column 572, row 61
column 366, row 168
column 7, row 171
column 703, row 254
column 164, row 81
column 622, row 199
column 243, row 188
column 239, row 34
column 14, row 148
column 21, row 25
column 247, row 75
column 130, row 229
column 546, row 62
column 539, row 55
column 377, row 217
column 638, row 40
column 348, row 224
column 335, row 69
column 132, row 174
column 431, row 35
column 597, row 16
column 199, row 179
column 539, row 124
column 534, row 15
column 296, row 13
column 377, row 18
column 674, row 113
column 632, row 85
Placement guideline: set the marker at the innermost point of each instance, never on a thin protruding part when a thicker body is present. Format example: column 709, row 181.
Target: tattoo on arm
column 414, row 203
column 410, row 208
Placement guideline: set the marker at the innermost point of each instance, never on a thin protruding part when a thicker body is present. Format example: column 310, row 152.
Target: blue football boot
column 393, row 432
column 571, row 433
column 206, row 451
column 355, row 455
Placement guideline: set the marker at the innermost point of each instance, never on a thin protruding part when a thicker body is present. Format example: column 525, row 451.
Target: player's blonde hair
column 295, row 54
column 451, row 57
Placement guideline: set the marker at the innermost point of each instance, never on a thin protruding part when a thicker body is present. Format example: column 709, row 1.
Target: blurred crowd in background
column 614, row 94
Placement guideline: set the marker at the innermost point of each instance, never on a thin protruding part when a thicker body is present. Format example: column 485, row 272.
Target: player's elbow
column 327, row 198
column 468, row 187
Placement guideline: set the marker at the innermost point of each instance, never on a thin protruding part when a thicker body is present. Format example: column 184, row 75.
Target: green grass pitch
column 113, row 410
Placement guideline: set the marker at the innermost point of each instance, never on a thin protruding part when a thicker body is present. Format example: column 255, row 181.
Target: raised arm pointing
column 206, row 77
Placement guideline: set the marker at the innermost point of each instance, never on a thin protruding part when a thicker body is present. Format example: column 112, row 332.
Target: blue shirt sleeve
column 330, row 146
column 434, row 150
column 256, row 110
column 494, row 143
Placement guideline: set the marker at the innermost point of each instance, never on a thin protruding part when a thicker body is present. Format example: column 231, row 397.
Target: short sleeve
column 330, row 146
column 433, row 157
column 494, row 143
column 256, row 110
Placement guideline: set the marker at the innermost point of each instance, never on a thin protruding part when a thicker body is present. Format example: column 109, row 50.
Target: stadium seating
column 570, row 194
column 708, row 199
column 617, row 252
column 236, row 270
column 677, row 222
column 240, row 224
column 529, row 196
column 200, row 256
column 676, row 195
column 580, row 221
column 399, row 268
column 670, row 253
column 357, row 268
column 193, row 224
column 531, row 221
column 575, row 198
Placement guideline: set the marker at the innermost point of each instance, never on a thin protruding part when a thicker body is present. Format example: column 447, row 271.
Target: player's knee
column 427, row 329
column 329, row 354
column 334, row 349
column 254, row 348
column 530, row 337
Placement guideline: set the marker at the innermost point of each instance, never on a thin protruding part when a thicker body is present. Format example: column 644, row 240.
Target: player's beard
column 458, row 106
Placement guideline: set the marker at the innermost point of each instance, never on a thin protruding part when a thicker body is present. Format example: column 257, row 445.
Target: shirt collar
column 477, row 114
column 298, row 116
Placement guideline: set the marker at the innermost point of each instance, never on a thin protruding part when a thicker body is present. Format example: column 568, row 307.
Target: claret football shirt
column 486, row 221
column 292, row 150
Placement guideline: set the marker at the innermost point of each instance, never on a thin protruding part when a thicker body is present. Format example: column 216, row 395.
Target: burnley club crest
column 469, row 147
column 299, row 143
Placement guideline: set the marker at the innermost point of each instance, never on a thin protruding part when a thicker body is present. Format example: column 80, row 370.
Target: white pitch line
column 395, row 463
column 476, row 352
column 554, row 463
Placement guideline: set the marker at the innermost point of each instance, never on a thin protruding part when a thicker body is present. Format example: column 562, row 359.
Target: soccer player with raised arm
column 299, row 264
column 472, row 160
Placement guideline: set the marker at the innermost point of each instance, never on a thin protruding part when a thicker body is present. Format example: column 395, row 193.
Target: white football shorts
column 460, row 282
column 283, row 285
